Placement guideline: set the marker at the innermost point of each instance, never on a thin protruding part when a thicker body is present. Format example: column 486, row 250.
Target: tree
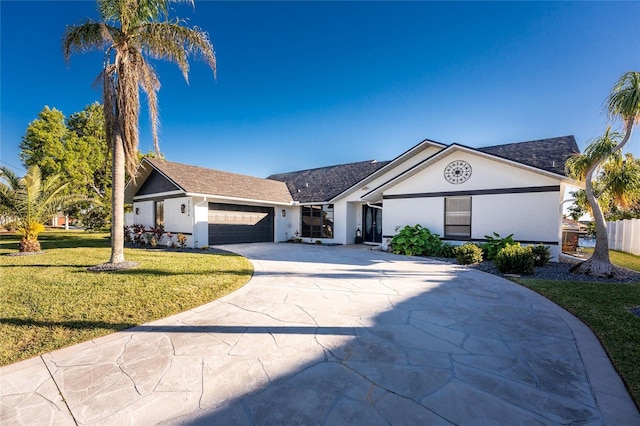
column 76, row 149
column 617, row 188
column 31, row 201
column 43, row 142
column 128, row 30
column 623, row 103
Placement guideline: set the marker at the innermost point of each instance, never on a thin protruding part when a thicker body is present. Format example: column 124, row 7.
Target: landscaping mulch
column 557, row 271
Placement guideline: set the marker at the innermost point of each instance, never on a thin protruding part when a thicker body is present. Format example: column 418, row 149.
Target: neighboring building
column 458, row 192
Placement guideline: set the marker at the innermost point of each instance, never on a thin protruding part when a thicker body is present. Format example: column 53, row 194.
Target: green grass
column 50, row 301
column 620, row 258
column 605, row 309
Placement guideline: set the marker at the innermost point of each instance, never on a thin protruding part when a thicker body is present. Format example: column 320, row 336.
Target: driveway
column 335, row 336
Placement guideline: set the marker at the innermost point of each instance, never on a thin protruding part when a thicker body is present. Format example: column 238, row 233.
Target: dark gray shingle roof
column 193, row 179
column 324, row 183
column 546, row 154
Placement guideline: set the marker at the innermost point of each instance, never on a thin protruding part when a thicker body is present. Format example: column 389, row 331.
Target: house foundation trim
column 484, row 240
column 496, row 191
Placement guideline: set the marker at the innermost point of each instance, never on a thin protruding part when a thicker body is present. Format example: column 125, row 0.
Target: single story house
column 458, row 192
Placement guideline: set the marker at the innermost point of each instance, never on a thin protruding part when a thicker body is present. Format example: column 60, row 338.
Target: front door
column 372, row 224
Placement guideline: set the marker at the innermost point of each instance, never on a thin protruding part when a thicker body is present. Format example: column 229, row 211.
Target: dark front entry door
column 372, row 224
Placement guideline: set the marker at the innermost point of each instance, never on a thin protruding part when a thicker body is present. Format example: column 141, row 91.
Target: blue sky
column 310, row 84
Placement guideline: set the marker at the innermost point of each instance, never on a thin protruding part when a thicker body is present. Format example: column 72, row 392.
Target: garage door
column 234, row 223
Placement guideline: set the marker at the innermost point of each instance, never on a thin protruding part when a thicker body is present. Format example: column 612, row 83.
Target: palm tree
column 622, row 103
column 129, row 30
column 30, row 202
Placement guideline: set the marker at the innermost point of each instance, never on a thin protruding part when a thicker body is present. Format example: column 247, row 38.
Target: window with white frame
column 457, row 217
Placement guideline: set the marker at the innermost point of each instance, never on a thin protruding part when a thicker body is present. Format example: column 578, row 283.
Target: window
column 317, row 221
column 457, row 217
column 159, row 214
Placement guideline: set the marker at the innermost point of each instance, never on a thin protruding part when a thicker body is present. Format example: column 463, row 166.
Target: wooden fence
column 624, row 235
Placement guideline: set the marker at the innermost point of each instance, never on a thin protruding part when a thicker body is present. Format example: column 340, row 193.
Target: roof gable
column 515, row 154
column 324, row 183
column 209, row 182
column 157, row 183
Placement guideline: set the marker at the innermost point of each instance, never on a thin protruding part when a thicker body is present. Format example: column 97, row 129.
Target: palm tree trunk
column 117, row 201
column 599, row 264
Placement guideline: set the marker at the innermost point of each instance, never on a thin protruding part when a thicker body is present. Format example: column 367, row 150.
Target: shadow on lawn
column 76, row 325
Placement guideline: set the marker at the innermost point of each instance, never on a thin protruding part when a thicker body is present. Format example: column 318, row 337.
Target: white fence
column 624, row 235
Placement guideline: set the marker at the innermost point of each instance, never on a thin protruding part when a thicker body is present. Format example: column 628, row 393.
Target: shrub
column 416, row 241
column 447, row 250
column 138, row 236
column 468, row 254
column 541, row 254
column 496, row 243
column 182, row 240
column 515, row 260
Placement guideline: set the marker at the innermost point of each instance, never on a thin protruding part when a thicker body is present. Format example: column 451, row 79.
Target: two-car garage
column 235, row 223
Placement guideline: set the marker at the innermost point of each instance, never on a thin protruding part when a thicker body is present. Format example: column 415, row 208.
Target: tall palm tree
column 623, row 103
column 130, row 30
column 30, row 202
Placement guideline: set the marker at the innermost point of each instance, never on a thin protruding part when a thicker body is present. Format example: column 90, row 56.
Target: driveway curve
column 335, row 336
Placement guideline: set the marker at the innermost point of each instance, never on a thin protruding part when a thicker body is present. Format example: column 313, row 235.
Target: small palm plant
column 30, row 201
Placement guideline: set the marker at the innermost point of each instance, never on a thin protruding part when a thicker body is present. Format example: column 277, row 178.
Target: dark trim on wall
column 497, row 191
column 484, row 240
column 162, row 198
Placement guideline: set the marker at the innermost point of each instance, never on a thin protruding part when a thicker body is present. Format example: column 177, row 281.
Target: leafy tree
column 76, row 149
column 43, row 142
column 129, row 30
column 623, row 103
column 31, row 201
column 617, row 188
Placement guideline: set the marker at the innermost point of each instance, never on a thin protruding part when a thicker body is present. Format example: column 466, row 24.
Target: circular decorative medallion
column 457, row 172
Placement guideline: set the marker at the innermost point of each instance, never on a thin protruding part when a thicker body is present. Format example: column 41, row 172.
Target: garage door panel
column 234, row 223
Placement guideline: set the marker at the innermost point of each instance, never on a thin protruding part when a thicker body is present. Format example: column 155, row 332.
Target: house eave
column 424, row 144
column 377, row 192
column 238, row 199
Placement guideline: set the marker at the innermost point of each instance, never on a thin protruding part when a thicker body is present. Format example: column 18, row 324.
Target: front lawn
column 50, row 301
column 620, row 258
column 604, row 307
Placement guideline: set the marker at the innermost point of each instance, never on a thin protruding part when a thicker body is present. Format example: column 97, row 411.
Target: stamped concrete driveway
column 335, row 336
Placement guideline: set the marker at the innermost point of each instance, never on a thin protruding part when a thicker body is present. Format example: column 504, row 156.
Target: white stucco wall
column 286, row 227
column 530, row 216
column 200, row 237
column 486, row 174
column 143, row 213
column 174, row 220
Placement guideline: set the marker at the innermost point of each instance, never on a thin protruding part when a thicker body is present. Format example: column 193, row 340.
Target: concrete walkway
column 335, row 336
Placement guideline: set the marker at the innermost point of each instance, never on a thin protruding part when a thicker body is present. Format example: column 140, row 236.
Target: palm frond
column 88, row 36
column 150, row 85
column 128, row 105
column 169, row 40
column 624, row 99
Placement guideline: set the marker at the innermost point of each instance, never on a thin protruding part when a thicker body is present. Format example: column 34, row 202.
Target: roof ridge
column 523, row 142
column 374, row 161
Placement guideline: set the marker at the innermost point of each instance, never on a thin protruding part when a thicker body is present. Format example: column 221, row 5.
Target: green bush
column 541, row 254
column 468, row 254
column 416, row 241
column 447, row 250
column 495, row 243
column 515, row 260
